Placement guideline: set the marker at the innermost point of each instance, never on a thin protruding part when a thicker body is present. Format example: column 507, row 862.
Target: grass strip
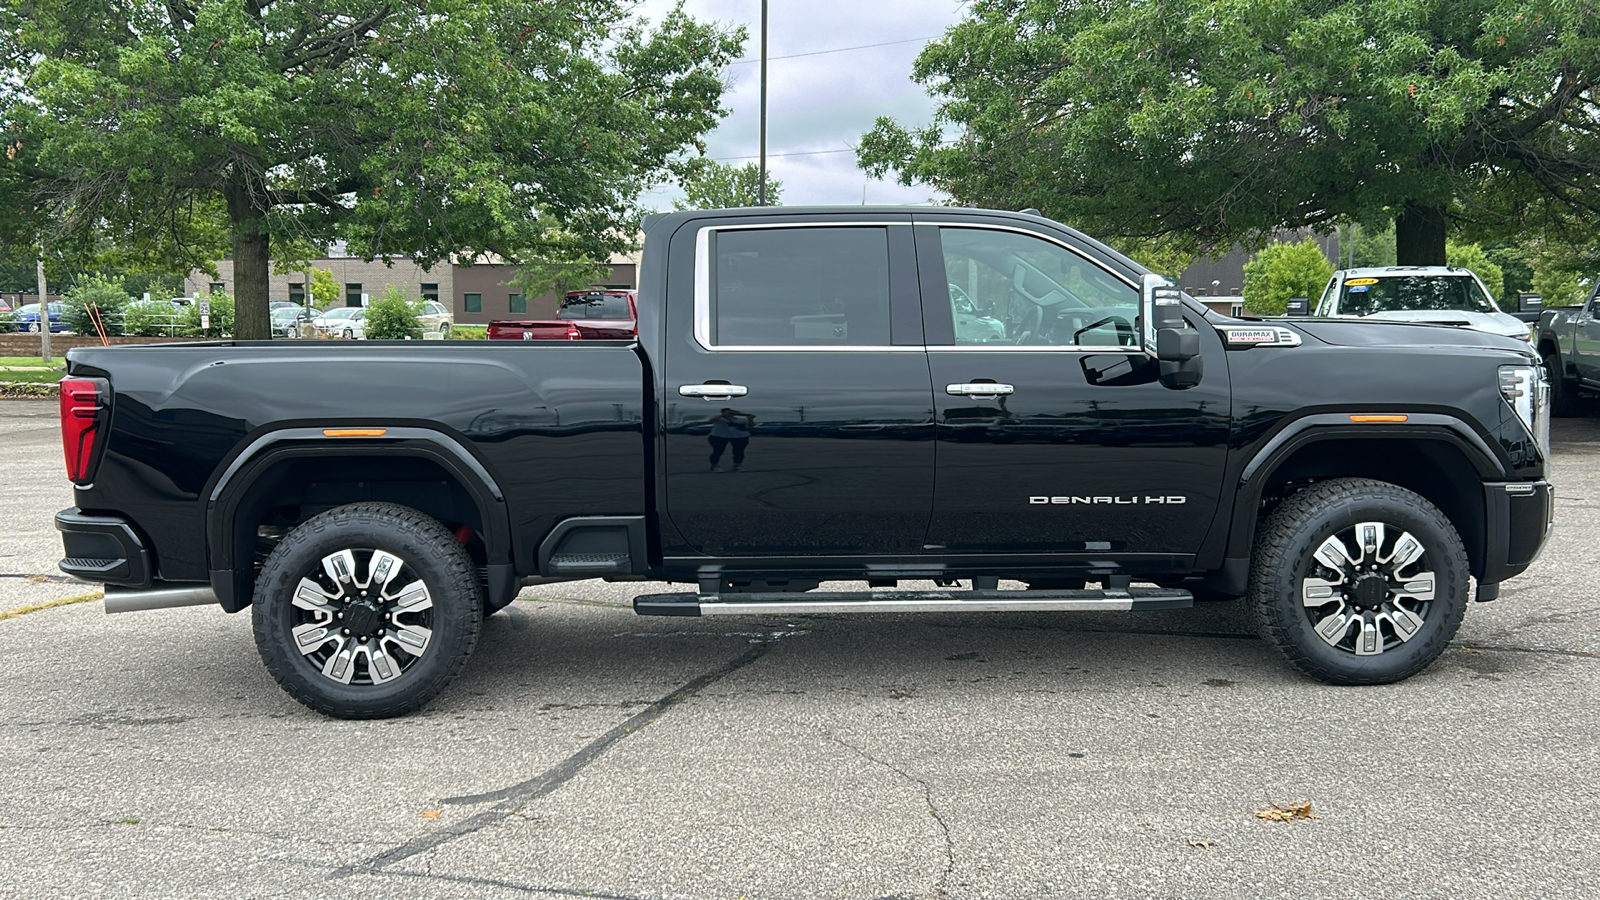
column 64, row 601
column 32, row 376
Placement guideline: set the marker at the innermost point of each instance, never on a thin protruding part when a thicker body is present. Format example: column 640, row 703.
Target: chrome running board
column 817, row 602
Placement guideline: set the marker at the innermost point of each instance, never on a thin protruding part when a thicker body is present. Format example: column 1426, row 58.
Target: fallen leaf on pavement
column 431, row 813
column 1201, row 843
column 1276, row 813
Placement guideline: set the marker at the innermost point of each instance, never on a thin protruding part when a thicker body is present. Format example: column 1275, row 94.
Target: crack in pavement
column 430, row 875
column 927, row 798
column 510, row 799
column 1580, row 654
column 64, row 601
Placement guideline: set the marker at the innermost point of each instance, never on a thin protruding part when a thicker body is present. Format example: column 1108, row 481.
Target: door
column 1586, row 340
column 798, row 415
column 1054, row 434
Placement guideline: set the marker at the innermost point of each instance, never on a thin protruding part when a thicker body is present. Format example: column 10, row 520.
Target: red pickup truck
column 611, row 315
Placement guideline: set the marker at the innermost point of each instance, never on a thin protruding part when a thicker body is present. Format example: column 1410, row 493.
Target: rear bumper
column 102, row 549
column 1519, row 515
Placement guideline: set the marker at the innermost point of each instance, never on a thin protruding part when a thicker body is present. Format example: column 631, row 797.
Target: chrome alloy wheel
column 362, row 617
column 1370, row 589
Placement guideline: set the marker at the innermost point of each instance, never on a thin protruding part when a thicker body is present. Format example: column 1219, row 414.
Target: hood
column 1374, row 332
column 1494, row 323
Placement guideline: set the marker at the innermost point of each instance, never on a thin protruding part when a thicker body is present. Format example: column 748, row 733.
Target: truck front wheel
column 1358, row 581
column 367, row 611
column 1563, row 393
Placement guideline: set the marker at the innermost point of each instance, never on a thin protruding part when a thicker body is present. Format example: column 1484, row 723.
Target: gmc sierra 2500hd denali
column 801, row 405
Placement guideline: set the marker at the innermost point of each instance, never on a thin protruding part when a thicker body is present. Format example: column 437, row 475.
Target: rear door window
column 799, row 287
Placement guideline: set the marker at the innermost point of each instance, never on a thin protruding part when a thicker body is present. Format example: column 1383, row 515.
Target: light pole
column 761, row 190
column 44, row 312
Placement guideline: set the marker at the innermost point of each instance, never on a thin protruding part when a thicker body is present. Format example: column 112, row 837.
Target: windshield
column 1392, row 293
column 595, row 306
column 343, row 312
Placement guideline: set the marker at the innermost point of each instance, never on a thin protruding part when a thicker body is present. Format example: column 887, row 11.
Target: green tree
column 426, row 129
column 712, row 185
column 1471, row 256
column 1284, row 270
column 393, row 317
column 324, row 290
column 1222, row 122
column 96, row 295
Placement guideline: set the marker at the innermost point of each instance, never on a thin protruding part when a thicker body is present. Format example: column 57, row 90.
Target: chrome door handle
column 978, row 389
column 713, row 391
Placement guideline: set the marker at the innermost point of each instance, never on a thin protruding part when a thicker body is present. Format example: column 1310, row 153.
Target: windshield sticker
column 1359, row 288
column 1355, row 281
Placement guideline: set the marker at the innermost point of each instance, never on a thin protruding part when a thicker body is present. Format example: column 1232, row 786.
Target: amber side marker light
column 1378, row 418
column 354, row 432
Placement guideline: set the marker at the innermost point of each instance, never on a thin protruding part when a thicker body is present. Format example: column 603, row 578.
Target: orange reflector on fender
column 354, row 432
column 1378, row 418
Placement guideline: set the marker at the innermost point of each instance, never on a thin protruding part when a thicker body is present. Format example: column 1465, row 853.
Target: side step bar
column 1122, row 600
column 121, row 601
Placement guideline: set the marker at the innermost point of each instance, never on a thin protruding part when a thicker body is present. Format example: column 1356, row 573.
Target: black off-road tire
column 1564, row 399
column 1284, row 558
column 428, row 552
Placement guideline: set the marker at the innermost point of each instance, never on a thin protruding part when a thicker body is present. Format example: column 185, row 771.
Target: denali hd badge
column 1168, row 500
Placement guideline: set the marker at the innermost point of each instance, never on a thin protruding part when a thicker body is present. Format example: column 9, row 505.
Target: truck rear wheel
column 367, row 611
column 1358, row 581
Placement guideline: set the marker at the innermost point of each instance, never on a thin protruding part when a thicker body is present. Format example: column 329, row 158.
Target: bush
column 468, row 333
column 96, row 292
column 158, row 318
column 393, row 318
column 1282, row 271
column 221, row 318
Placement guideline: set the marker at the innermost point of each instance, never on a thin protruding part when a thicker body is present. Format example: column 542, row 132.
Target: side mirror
column 1177, row 347
column 1529, row 303
column 1298, row 306
column 1159, row 306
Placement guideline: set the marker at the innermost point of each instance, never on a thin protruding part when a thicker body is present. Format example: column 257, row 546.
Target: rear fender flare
column 231, row 486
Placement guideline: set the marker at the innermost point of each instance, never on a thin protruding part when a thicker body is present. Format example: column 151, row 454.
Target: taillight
column 572, row 332
column 80, row 424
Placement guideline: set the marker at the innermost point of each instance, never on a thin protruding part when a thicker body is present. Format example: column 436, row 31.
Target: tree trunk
column 1419, row 236
column 247, row 214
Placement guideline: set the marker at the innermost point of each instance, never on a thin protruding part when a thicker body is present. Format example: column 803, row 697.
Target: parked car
column 286, row 320
column 1568, row 339
column 972, row 326
column 435, row 317
column 1429, row 295
column 341, row 321
column 1349, row 486
column 596, row 315
column 27, row 317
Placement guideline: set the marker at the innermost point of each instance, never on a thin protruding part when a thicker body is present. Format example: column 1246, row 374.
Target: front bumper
column 1519, row 515
column 102, row 549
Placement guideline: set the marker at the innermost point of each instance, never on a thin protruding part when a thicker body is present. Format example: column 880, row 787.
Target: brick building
column 475, row 293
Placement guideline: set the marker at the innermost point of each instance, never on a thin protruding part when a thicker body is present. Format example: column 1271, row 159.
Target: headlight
column 1528, row 393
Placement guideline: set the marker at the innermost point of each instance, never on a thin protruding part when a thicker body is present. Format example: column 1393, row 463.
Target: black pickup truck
column 820, row 395
column 1568, row 338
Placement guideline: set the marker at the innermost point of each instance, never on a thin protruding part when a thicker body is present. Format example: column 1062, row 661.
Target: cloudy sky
column 819, row 104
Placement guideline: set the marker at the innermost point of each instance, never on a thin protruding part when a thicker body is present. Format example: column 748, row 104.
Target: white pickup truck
column 1431, row 295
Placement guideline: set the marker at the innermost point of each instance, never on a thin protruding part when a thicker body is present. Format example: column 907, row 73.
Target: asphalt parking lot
column 586, row 752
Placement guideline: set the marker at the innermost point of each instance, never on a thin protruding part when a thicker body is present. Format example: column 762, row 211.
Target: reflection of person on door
column 730, row 427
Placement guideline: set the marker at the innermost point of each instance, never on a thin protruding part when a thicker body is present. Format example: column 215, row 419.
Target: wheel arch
column 418, row 467
column 1443, row 461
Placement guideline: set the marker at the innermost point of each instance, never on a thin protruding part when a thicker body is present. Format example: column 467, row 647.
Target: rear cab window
column 814, row 287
